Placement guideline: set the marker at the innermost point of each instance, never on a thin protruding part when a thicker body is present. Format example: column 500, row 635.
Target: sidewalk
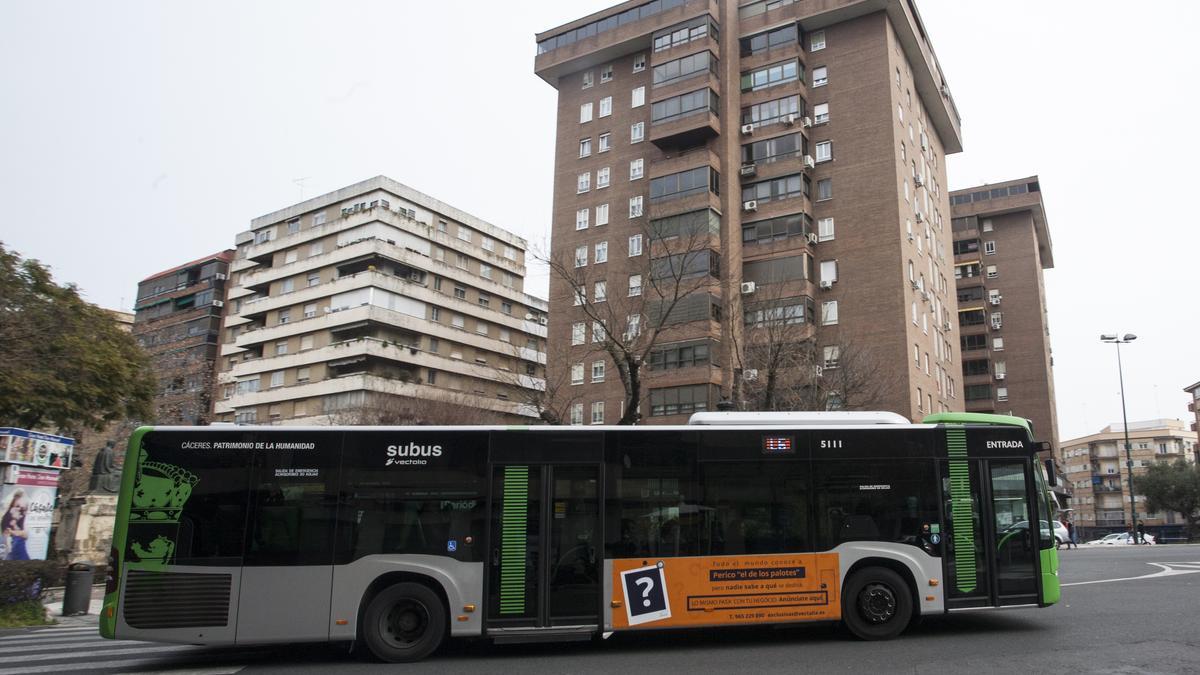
column 53, row 603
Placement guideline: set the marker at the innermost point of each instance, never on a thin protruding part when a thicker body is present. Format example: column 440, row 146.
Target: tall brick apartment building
column 1001, row 247
column 800, row 149
column 177, row 320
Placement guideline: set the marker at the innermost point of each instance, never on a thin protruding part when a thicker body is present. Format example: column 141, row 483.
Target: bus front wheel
column 876, row 604
column 404, row 622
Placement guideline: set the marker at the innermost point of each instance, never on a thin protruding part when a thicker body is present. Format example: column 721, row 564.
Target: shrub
column 22, row 581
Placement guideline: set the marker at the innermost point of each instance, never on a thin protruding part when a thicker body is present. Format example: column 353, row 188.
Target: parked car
column 1106, row 539
column 1121, row 538
column 1061, row 536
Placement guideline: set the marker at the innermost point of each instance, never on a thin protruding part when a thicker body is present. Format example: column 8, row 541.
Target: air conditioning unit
column 809, row 162
column 806, row 122
column 996, row 325
column 747, row 287
column 826, row 284
column 945, row 90
column 750, row 374
column 918, row 182
column 945, row 325
column 751, row 205
column 789, row 119
column 812, row 237
column 920, row 217
column 748, row 170
column 915, row 285
column 747, row 129
column 818, row 370
column 220, row 277
column 528, row 317
column 910, row 236
column 999, row 376
column 218, row 303
column 995, row 299
column 542, row 320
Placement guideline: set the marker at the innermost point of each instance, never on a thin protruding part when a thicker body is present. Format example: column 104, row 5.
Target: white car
column 1121, row 538
column 1061, row 536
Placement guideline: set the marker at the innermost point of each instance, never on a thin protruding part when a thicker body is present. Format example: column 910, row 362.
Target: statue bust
column 106, row 472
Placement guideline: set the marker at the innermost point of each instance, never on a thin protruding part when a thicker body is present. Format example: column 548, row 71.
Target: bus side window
column 757, row 507
column 874, row 501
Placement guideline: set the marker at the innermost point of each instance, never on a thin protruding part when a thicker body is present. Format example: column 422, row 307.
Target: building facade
column 784, row 162
column 1194, row 406
column 378, row 304
column 177, row 320
column 1094, row 465
column 1001, row 248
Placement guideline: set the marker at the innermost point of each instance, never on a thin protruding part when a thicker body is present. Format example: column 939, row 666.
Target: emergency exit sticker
column 645, row 591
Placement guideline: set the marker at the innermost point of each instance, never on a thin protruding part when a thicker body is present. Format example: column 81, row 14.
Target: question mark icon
column 648, row 586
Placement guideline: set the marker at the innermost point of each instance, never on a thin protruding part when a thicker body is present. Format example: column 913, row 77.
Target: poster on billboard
column 34, row 448
column 28, row 503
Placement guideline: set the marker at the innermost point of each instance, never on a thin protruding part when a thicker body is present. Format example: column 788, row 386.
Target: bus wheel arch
column 404, row 601
column 885, row 581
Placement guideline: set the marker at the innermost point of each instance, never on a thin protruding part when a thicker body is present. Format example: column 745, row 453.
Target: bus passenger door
column 288, row 573
column 968, row 583
column 545, row 556
column 1016, row 533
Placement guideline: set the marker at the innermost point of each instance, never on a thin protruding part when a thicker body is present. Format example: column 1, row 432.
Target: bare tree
column 550, row 399
column 677, row 269
column 450, row 409
column 785, row 367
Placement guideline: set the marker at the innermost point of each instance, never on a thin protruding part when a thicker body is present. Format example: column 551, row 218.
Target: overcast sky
column 138, row 135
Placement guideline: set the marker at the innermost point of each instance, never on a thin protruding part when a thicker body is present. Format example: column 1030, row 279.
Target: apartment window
column 776, row 110
column 635, row 285
column 606, row 74
column 458, row 321
column 635, row 245
column 484, row 300
column 576, row 373
column 581, row 255
column 829, row 271
column 637, row 97
column 989, row 248
column 318, row 218
column 601, row 253
column 635, row 206
column 510, row 253
column 600, row 291
column 442, row 227
column 829, row 312
column 577, row 333
column 832, row 354
column 679, row 355
column 285, row 315
column 784, row 187
column 987, row 225
column 435, row 314
column 772, row 75
column 816, row 41
column 776, row 229
column 637, row 132
column 317, row 248
column 585, row 112
column 820, row 113
column 679, row 400
column 598, row 331
column 310, row 310
column 281, row 348
column 824, row 151
column 287, row 286
column 306, row 342
column 601, row 215
column 767, row 40
column 824, row 189
column 633, row 326
column 588, row 79
column 991, row 272
column 290, row 257
column 262, row 236
column 997, row 344
column 293, row 226
column 820, row 76
column 302, row 374
column 576, row 413
column 602, row 177
column 684, row 105
column 585, row 147
column 1001, row 369
column 635, row 169
column 581, row 219
column 774, row 149
column 825, row 229
column 605, row 143
column 460, row 292
column 314, row 279
column 584, row 182
column 606, row 106
column 684, row 183
column 277, row 379
column 580, row 296
column 598, row 412
column 1001, row 393
column 597, row 371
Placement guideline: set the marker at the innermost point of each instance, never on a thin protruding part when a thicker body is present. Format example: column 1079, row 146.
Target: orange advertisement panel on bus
column 715, row 590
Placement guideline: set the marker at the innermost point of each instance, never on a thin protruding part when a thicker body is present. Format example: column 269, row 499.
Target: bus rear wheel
column 404, row 622
column 876, row 604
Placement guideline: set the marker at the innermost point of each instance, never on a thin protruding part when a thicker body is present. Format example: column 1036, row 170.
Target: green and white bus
column 401, row 537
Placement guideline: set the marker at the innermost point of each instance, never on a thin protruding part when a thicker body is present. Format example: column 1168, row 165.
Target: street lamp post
column 1118, row 341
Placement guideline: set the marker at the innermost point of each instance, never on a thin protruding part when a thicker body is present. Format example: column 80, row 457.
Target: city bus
column 397, row 538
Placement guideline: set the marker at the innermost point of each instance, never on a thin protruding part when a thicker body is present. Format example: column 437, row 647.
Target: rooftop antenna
column 300, row 184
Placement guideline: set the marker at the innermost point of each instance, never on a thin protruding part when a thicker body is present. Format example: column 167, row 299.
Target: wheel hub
column 405, row 623
column 877, row 603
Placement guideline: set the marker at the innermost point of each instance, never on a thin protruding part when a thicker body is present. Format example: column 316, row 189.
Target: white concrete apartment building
column 376, row 289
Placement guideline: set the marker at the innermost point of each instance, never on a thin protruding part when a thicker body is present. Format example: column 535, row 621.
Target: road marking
column 122, row 663
column 179, row 649
column 1167, row 570
column 55, row 631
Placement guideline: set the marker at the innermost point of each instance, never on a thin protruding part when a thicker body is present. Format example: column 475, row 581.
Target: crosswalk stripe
column 68, row 643
column 101, row 665
column 81, row 639
column 181, row 649
column 55, row 631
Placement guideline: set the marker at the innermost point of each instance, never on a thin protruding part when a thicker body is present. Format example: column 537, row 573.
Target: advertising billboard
column 33, row 448
column 27, row 498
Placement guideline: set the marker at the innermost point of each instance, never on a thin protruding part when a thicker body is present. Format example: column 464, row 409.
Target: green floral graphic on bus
column 160, row 491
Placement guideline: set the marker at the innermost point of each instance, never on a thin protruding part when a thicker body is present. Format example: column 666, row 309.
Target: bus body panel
column 174, row 602
column 462, row 582
column 284, row 604
column 926, row 570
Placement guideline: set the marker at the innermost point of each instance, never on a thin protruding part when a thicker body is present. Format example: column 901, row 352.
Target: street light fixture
column 1112, row 338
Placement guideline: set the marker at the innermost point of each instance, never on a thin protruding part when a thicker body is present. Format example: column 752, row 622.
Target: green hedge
column 25, row 580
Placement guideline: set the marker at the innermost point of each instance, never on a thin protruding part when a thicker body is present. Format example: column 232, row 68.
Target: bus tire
column 876, row 604
column 404, row 622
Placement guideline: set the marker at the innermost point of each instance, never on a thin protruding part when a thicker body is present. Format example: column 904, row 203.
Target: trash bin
column 78, row 593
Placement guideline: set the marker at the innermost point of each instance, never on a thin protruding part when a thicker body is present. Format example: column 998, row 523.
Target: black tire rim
column 404, row 624
column 877, row 603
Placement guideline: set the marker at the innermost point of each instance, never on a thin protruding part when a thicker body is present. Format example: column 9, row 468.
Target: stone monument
column 87, row 524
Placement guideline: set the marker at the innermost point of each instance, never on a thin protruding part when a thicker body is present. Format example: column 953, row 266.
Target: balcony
column 686, row 130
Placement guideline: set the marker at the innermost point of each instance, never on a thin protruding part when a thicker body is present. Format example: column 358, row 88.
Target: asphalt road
column 1124, row 610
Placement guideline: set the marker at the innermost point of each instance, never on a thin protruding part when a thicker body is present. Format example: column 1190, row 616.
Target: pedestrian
column 1141, row 533
column 1071, row 535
